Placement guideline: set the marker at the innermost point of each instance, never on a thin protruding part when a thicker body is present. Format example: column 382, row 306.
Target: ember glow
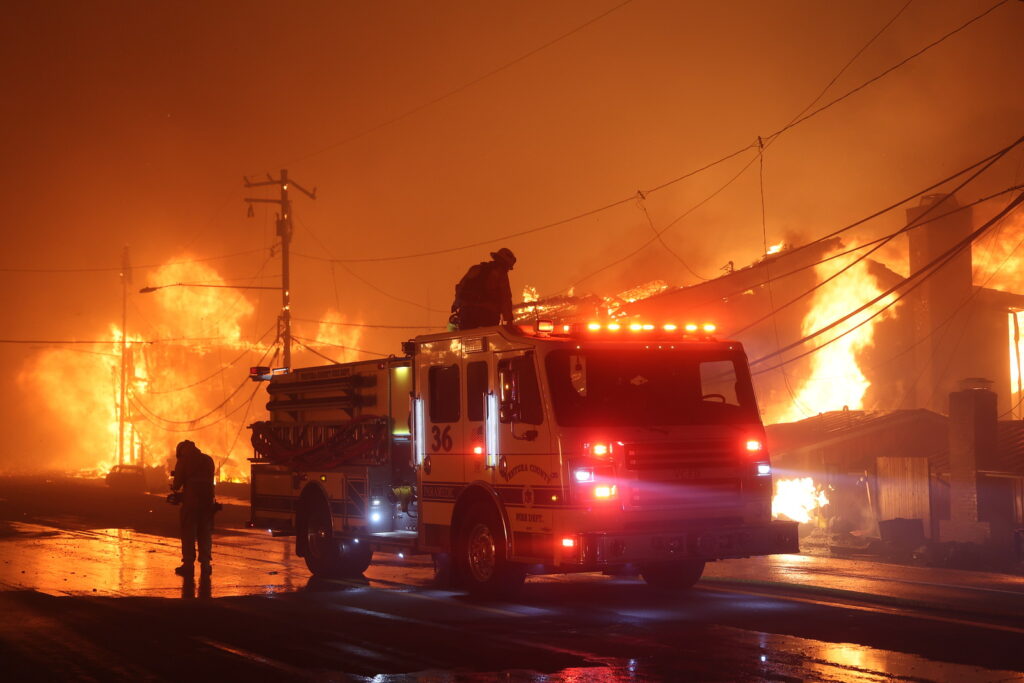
column 797, row 499
column 834, row 381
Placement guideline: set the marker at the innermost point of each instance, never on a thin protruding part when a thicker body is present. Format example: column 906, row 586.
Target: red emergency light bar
column 631, row 330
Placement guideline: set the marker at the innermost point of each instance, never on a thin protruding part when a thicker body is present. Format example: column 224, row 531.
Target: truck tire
column 676, row 575
column 483, row 566
column 326, row 556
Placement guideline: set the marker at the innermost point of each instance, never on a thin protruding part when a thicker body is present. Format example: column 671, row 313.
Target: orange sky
column 133, row 123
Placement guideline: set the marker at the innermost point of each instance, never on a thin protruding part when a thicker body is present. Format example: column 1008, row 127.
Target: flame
column 999, row 264
column 644, row 291
column 213, row 313
column 337, row 340
column 169, row 383
column 999, row 260
column 796, row 499
column 835, row 381
column 775, row 248
column 530, row 294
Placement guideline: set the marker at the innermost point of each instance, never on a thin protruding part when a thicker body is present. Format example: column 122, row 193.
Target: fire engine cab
column 502, row 451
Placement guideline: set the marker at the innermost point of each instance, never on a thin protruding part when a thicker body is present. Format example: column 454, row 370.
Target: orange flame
column 336, row 340
column 999, row 264
column 835, row 380
column 797, row 499
column 181, row 389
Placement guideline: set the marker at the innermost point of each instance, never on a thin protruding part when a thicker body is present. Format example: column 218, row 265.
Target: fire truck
column 616, row 447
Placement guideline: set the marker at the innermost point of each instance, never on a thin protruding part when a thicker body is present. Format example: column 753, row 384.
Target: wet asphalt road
column 81, row 601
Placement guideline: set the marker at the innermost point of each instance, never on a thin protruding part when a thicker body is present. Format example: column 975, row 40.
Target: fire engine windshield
column 599, row 387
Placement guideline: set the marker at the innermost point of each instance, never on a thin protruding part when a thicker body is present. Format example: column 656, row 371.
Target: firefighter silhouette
column 483, row 296
column 193, row 477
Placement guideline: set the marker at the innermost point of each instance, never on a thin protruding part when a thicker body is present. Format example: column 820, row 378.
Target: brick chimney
column 938, row 304
column 972, row 447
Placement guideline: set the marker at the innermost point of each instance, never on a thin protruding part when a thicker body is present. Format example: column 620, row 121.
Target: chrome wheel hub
column 481, row 550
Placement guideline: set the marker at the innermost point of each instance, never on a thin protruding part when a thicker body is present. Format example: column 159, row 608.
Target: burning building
column 873, row 410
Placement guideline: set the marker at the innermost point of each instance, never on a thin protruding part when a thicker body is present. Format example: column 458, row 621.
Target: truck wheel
column 484, row 568
column 326, row 556
column 678, row 575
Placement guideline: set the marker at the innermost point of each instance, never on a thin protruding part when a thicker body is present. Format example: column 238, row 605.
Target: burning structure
column 186, row 377
column 875, row 410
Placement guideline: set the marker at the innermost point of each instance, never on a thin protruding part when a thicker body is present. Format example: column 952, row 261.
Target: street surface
column 87, row 601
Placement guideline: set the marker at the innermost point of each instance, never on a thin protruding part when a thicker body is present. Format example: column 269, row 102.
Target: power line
column 312, row 350
column 342, row 346
column 150, row 413
column 819, row 240
column 218, row 372
column 878, row 244
column 409, row 112
column 853, row 59
column 658, row 233
column 838, row 231
column 921, row 276
column 643, row 207
column 241, row 424
column 385, row 293
column 111, row 341
column 184, row 430
column 351, row 272
column 768, row 139
column 118, row 269
column 370, row 325
column 771, row 295
column 888, row 71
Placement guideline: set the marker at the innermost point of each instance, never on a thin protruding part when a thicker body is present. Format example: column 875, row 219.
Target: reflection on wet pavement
column 590, row 618
column 125, row 562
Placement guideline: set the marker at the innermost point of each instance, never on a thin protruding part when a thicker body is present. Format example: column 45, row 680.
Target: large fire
column 797, row 499
column 998, row 264
column 834, row 381
column 191, row 384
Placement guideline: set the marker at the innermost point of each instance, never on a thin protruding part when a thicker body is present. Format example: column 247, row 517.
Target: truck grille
column 693, row 453
column 694, row 493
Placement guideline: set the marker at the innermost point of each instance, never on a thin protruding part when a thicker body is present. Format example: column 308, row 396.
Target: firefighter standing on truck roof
column 193, row 476
column 483, row 296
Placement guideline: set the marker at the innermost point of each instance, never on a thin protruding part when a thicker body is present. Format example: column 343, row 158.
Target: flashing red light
column 691, row 327
column 614, row 327
column 710, row 327
column 605, row 491
column 754, row 445
column 594, row 327
column 478, row 450
column 568, row 542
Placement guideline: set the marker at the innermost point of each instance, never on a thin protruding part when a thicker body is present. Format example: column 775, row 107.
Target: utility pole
column 284, row 231
column 126, row 276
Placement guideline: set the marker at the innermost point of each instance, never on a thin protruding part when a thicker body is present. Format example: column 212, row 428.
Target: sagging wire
column 921, row 276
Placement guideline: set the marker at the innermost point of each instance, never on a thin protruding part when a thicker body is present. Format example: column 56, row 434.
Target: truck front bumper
column 718, row 543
